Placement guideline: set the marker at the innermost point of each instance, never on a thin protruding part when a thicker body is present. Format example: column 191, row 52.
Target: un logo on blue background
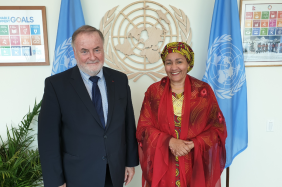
column 224, row 71
column 64, row 57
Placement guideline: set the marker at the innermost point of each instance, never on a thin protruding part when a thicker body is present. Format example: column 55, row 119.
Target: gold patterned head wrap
column 181, row 48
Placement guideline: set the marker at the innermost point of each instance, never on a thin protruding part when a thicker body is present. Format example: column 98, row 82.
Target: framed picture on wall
column 261, row 31
column 23, row 36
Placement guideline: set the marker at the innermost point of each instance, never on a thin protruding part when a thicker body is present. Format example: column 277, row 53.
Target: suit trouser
column 108, row 180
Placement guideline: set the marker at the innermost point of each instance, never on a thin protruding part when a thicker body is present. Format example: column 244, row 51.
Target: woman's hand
column 190, row 144
column 180, row 147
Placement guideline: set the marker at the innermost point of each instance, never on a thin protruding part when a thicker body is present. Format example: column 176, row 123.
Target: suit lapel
column 79, row 86
column 111, row 94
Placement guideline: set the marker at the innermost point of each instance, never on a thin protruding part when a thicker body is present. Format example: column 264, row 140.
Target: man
column 86, row 130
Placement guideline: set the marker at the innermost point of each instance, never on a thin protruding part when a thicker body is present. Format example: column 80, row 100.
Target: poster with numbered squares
column 261, row 29
column 23, row 36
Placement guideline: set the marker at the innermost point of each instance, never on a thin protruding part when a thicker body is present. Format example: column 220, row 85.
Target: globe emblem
column 64, row 58
column 225, row 72
column 135, row 37
column 69, row 60
column 139, row 33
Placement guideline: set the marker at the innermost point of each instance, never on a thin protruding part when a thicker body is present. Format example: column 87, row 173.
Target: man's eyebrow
column 84, row 49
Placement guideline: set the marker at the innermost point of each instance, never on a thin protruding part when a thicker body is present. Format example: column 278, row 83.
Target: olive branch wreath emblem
column 58, row 54
column 223, row 93
column 112, row 60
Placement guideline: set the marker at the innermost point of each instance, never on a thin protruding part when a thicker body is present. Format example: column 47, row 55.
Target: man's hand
column 180, row 147
column 129, row 173
column 64, row 185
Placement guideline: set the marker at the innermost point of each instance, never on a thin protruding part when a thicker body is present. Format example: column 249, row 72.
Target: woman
column 181, row 130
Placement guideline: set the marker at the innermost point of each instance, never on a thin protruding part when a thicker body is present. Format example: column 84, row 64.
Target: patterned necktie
column 97, row 99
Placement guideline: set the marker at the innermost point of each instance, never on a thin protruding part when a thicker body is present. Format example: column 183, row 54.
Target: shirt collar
column 86, row 77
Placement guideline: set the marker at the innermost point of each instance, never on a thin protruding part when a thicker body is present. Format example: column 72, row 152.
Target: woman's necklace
column 177, row 89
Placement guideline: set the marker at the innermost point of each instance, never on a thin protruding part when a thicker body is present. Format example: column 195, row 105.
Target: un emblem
column 224, row 72
column 135, row 37
column 64, row 57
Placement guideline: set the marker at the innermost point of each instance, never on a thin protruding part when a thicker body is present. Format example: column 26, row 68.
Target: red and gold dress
column 177, row 102
column 200, row 121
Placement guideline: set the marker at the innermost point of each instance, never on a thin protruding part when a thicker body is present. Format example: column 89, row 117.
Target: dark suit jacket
column 73, row 146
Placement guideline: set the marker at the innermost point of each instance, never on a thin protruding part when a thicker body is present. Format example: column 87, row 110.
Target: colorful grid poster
column 21, row 36
column 262, row 32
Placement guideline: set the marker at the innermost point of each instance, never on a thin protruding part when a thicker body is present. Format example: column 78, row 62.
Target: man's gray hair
column 85, row 29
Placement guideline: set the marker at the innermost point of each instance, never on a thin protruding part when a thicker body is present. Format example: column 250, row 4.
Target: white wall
column 259, row 165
